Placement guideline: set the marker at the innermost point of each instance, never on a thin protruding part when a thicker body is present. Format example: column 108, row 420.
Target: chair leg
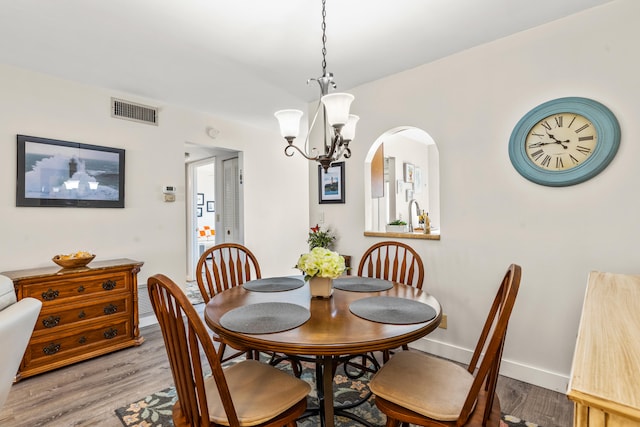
column 221, row 350
column 391, row 422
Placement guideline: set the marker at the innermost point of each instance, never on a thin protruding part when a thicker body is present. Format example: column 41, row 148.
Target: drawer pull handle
column 81, row 288
column 82, row 314
column 110, row 333
column 82, row 340
column 110, row 309
column 51, row 322
column 51, row 349
column 109, row 285
column 50, row 295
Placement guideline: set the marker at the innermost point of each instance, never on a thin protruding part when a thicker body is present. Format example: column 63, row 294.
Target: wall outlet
column 443, row 322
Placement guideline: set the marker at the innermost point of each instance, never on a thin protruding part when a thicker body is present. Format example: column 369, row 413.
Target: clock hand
column 557, row 141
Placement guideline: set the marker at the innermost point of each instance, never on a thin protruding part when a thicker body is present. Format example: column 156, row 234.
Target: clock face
column 561, row 141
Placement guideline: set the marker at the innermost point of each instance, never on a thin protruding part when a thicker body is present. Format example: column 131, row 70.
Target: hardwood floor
column 87, row 393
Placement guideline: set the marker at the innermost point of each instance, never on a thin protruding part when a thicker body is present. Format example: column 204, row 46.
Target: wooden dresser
column 605, row 377
column 86, row 312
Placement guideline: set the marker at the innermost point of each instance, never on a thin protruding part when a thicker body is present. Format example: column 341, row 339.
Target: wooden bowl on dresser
column 72, row 262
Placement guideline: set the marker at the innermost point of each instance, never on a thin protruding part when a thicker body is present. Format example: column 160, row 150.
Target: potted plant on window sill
column 397, row 226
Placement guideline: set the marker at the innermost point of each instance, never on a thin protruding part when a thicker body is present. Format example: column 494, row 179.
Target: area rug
column 193, row 293
column 155, row 409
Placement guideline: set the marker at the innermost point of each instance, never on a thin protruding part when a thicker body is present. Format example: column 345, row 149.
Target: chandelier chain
column 324, row 39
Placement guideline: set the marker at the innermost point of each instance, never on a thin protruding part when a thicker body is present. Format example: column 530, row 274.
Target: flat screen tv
column 68, row 174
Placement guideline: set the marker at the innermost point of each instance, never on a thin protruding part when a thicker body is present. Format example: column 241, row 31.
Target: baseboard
column 509, row 368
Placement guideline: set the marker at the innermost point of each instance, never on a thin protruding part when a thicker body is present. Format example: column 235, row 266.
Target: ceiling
column 244, row 59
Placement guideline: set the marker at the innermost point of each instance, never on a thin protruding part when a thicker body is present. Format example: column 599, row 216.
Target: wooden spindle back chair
column 423, row 390
column 394, row 261
column 223, row 266
column 230, row 396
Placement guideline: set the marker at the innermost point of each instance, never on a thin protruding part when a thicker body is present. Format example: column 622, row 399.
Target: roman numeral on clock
column 583, row 150
column 546, row 160
column 581, row 128
column 558, row 121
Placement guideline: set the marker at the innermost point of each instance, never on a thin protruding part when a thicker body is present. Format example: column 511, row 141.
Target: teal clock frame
column 607, row 128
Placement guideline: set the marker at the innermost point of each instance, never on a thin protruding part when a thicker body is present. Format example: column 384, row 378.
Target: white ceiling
column 245, row 59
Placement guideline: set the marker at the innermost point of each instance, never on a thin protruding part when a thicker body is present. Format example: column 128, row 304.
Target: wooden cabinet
column 86, row 312
column 605, row 374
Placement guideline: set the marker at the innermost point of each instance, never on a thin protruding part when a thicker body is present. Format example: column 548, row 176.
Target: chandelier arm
column 309, row 156
column 335, row 143
column 313, row 123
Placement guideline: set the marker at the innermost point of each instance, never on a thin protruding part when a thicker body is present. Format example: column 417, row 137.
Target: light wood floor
column 87, row 393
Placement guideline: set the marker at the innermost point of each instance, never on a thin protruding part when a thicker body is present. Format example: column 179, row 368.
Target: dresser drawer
column 47, row 349
column 64, row 315
column 73, row 289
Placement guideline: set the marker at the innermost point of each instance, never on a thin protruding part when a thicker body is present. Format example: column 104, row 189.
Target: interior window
column 402, row 180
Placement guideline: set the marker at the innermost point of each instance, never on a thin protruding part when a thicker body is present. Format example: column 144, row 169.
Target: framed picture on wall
column 211, row 206
column 409, row 195
column 68, row 174
column 409, row 172
column 331, row 183
column 417, row 183
column 200, row 199
column 198, row 211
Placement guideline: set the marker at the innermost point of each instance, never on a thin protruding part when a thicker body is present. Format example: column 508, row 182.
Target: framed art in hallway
column 409, row 172
column 211, row 206
column 200, row 201
column 331, row 183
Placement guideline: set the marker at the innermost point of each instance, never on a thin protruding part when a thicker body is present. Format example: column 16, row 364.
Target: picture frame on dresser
column 55, row 173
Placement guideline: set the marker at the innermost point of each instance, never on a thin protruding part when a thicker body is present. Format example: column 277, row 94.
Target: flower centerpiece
column 320, row 266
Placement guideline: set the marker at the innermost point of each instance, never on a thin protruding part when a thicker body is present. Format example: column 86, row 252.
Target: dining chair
column 417, row 388
column 219, row 268
column 394, row 261
column 247, row 393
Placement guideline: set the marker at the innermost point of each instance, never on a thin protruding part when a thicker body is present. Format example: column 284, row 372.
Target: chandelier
column 339, row 125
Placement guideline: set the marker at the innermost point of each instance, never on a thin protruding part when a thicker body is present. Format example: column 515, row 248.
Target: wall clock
column 564, row 141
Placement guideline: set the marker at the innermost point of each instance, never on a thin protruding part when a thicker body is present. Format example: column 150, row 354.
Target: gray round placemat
column 361, row 284
column 393, row 310
column 265, row 317
column 274, row 284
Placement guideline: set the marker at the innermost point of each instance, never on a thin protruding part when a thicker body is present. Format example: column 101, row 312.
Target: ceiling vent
column 122, row 109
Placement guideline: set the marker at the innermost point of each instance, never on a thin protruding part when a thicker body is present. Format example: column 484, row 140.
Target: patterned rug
column 155, row 410
column 193, row 293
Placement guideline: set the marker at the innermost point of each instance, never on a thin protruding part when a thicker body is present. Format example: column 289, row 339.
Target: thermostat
column 169, row 193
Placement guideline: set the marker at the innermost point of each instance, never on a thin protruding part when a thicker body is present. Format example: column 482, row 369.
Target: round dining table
column 330, row 331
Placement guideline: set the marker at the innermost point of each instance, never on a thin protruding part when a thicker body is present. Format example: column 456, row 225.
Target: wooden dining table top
column 332, row 329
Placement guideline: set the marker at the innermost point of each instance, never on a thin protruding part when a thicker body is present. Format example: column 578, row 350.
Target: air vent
column 131, row 111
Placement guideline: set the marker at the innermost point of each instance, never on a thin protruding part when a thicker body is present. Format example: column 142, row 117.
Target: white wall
column 147, row 229
column 490, row 215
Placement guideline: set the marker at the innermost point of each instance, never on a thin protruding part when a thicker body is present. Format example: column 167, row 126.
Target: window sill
column 434, row 235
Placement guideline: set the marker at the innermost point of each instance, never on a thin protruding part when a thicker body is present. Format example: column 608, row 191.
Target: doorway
column 218, row 206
